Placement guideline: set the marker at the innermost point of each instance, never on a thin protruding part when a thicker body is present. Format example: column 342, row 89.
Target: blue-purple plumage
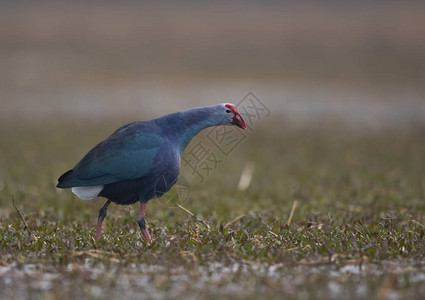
column 141, row 160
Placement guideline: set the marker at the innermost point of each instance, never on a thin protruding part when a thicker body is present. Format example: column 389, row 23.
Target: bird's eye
column 228, row 111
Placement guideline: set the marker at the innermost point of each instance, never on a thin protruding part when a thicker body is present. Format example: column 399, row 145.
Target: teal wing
column 127, row 154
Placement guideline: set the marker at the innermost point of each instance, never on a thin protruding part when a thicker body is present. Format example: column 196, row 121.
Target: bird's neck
column 184, row 126
column 191, row 131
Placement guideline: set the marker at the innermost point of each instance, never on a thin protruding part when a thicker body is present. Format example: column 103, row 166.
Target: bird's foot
column 142, row 225
column 102, row 214
column 98, row 233
column 147, row 236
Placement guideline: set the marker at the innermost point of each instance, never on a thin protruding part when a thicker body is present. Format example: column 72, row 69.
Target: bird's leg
column 142, row 223
column 102, row 214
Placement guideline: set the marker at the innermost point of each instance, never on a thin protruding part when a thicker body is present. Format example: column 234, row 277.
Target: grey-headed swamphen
column 141, row 160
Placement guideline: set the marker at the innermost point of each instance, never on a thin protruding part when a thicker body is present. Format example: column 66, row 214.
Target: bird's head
column 231, row 115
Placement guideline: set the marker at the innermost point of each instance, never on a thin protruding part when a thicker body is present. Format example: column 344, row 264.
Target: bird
column 141, row 160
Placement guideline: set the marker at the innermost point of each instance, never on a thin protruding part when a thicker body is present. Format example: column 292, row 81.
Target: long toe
column 146, row 235
column 97, row 237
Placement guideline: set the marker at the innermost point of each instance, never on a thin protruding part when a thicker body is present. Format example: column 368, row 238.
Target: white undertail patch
column 87, row 192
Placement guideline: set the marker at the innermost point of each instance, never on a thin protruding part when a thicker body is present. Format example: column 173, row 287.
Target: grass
column 357, row 231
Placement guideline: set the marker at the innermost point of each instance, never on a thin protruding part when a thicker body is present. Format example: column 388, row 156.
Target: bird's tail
column 63, row 178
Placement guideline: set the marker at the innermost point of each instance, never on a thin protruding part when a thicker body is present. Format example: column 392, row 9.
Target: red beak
column 238, row 121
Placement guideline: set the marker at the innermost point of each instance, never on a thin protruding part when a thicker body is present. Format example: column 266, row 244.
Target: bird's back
column 127, row 154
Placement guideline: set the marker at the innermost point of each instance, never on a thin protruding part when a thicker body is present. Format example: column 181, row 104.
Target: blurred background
column 361, row 64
